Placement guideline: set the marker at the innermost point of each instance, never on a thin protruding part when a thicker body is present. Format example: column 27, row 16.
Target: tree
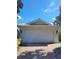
column 58, row 23
column 18, row 34
column 19, row 5
column 58, row 19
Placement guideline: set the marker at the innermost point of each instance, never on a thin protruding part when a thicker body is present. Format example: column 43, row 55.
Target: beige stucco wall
column 53, row 30
column 56, row 35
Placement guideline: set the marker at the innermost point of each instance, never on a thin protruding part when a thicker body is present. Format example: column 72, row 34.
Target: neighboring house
column 39, row 31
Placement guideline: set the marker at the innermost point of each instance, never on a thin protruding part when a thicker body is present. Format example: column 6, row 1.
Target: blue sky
column 34, row 9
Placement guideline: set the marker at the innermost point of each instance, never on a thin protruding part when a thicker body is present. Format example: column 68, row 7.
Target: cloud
column 54, row 18
column 51, row 4
column 19, row 17
column 51, row 23
column 49, row 9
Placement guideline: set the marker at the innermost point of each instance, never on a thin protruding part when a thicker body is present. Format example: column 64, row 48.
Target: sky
column 46, row 10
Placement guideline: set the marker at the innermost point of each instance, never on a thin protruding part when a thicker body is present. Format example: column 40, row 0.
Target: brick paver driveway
column 51, row 51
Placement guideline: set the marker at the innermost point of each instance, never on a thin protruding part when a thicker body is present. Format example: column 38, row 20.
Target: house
column 39, row 31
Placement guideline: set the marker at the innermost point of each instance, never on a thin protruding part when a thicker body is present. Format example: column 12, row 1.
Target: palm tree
column 19, row 5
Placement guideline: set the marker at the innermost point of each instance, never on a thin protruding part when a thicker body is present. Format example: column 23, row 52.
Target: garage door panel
column 36, row 36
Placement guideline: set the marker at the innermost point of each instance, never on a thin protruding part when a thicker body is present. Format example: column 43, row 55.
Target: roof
column 38, row 22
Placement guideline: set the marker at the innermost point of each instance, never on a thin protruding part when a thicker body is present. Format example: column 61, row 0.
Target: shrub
column 18, row 42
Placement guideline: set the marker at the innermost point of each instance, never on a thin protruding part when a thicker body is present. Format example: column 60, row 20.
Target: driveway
column 51, row 51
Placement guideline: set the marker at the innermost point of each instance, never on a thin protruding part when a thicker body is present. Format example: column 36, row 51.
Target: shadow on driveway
column 56, row 54
column 40, row 54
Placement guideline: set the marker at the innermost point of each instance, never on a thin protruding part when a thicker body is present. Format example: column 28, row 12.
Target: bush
column 18, row 42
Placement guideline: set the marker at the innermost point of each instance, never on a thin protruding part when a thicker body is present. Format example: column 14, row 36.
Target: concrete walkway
column 52, row 51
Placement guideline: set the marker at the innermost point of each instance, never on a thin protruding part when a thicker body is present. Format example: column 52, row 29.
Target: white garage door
column 36, row 36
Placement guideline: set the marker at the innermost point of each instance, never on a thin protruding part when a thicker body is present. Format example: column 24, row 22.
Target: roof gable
column 38, row 22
